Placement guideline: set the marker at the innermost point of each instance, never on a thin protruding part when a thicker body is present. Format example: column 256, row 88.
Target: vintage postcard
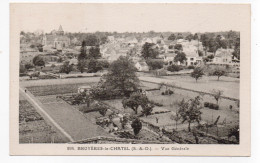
column 130, row 79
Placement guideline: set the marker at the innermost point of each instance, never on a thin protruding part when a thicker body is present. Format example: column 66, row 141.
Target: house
column 169, row 58
column 142, row 66
column 56, row 39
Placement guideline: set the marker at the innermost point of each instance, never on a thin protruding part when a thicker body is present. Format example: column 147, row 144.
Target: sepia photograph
column 154, row 76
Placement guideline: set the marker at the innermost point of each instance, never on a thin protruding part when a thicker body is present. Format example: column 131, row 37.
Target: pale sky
column 130, row 17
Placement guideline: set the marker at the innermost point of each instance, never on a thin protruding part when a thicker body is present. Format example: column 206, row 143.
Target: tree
column 219, row 72
column 154, row 64
column 189, row 37
column 190, row 111
column 179, row 36
column 136, row 125
column 147, row 109
column 94, row 52
column 174, row 68
column 94, row 66
column 83, row 51
column 82, row 64
column 149, row 51
column 217, row 94
column 195, row 36
column 66, row 68
column 205, row 42
column 38, row 61
column 197, row 73
column 22, row 69
column 178, row 47
column 236, row 52
column 234, row 132
column 121, row 76
column 137, row 99
column 172, row 37
column 91, row 40
column 28, row 66
column 181, row 57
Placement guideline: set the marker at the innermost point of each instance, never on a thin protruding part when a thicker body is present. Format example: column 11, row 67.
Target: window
column 191, row 59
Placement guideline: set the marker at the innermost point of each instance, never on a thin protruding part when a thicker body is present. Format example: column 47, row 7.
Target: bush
column 174, row 68
column 154, row 64
column 211, row 105
column 206, row 104
column 191, row 67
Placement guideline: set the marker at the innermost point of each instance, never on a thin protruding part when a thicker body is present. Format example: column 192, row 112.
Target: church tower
column 60, row 31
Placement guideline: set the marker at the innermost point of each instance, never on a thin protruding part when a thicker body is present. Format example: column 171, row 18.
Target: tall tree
column 83, row 51
column 149, row 51
column 82, row 64
column 122, row 76
column 236, row 52
column 94, row 52
column 136, row 125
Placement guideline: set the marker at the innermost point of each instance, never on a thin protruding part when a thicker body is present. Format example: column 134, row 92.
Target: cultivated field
column 34, row 129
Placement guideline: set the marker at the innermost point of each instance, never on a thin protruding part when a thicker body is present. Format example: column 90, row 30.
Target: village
column 138, row 88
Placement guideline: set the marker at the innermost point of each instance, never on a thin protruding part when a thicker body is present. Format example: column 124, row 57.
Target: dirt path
column 69, row 121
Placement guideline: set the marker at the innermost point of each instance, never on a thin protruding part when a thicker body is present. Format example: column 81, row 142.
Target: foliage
column 211, row 105
column 83, row 51
column 190, row 111
column 172, row 37
column 236, row 52
column 82, row 64
column 22, row 68
column 234, row 132
column 149, row 51
column 28, row 66
column 154, row 64
column 66, row 68
column 219, row 72
column 94, row 66
column 137, row 99
column 38, row 61
column 181, row 57
column 178, row 47
column 91, row 40
column 197, row 73
column 174, row 68
column 94, row 53
column 200, row 53
column 190, row 67
column 189, row 37
column 121, row 76
column 136, row 125
column 179, row 36
column 217, row 94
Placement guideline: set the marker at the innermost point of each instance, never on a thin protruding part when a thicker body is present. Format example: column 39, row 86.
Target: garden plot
column 56, row 89
column 33, row 128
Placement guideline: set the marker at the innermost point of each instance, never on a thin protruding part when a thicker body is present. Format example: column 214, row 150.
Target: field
column 228, row 118
column 229, row 85
column 34, row 129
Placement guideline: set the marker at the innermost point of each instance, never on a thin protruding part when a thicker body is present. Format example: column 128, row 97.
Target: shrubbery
column 190, row 67
column 174, row 68
column 154, row 64
column 211, row 105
